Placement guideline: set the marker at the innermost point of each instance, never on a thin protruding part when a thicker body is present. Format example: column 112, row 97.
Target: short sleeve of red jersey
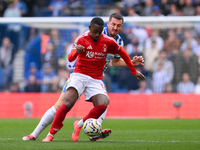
column 113, row 47
column 77, row 41
column 73, row 54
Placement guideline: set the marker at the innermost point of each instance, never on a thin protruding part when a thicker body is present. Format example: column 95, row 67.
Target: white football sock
column 46, row 120
column 100, row 119
column 80, row 123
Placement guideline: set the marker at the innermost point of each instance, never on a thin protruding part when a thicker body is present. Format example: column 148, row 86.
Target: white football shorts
column 86, row 85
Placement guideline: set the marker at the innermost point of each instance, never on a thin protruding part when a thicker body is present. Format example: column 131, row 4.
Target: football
column 91, row 127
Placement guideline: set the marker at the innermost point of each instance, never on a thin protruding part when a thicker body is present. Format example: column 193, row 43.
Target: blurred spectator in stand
column 34, row 49
column 196, row 3
column 7, row 53
column 179, row 32
column 143, row 88
column 13, row 30
column 185, row 62
column 156, row 12
column 189, row 42
column 132, row 12
column 186, row 85
column 130, row 3
column 171, row 41
column 15, row 87
column 41, row 8
column 16, row 32
column 130, row 82
column 47, row 75
column 54, row 86
column 134, row 46
column 56, row 7
column 30, row 6
column 21, row 6
column 11, row 10
column 149, row 61
column 73, row 8
column 156, row 37
column 68, row 47
column 173, row 10
column 167, row 65
column 197, row 86
column 198, row 10
column 63, row 74
column 58, row 43
column 50, row 56
column 89, row 7
column 148, row 8
column 32, row 85
column 33, row 71
column 159, row 79
column 180, row 4
column 188, row 9
column 3, row 6
column 168, row 88
column 197, row 49
column 164, row 7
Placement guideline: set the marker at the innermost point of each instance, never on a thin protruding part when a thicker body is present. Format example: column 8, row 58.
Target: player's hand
column 139, row 76
column 80, row 49
column 138, row 60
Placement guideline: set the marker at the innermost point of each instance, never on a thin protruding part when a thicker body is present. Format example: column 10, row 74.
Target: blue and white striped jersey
column 109, row 57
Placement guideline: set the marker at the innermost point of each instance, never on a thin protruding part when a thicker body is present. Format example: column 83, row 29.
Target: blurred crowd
column 56, row 8
column 172, row 55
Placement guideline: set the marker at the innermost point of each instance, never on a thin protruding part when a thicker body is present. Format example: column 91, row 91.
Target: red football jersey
column 91, row 62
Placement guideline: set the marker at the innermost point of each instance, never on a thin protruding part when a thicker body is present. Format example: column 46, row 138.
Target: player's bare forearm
column 137, row 60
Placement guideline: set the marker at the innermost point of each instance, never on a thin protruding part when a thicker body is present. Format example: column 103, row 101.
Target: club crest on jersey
column 89, row 47
column 104, row 48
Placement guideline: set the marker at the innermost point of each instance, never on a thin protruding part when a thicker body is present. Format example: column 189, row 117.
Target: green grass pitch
column 127, row 134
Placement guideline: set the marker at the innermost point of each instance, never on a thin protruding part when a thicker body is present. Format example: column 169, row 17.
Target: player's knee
column 108, row 100
column 60, row 101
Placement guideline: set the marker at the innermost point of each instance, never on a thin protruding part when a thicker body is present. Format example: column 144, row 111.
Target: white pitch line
column 136, row 141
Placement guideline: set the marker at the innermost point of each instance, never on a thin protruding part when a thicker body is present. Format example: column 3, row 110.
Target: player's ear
column 107, row 23
column 90, row 27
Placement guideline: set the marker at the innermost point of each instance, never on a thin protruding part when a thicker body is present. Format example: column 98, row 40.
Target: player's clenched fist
column 80, row 49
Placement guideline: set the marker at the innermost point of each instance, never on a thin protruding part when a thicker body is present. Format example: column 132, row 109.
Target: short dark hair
column 116, row 16
column 97, row 20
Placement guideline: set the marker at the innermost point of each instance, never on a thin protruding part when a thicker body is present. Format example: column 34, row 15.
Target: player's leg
column 104, row 132
column 70, row 98
column 78, row 124
column 75, row 88
column 48, row 116
column 46, row 119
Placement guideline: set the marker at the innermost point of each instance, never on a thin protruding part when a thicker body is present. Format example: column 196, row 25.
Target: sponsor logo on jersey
column 91, row 54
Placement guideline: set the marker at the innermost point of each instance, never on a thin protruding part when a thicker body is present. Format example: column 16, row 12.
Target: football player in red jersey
column 114, row 25
column 91, row 49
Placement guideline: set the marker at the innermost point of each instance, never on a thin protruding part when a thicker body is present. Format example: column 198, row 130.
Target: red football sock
column 58, row 119
column 95, row 112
